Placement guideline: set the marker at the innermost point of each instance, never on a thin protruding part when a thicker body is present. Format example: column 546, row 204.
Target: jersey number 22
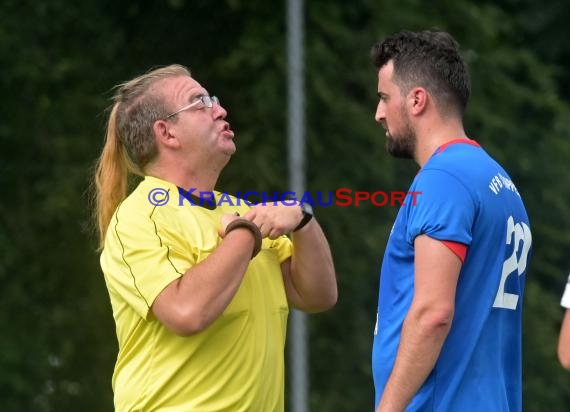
column 517, row 234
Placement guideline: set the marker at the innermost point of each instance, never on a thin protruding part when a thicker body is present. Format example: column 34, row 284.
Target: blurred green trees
column 59, row 62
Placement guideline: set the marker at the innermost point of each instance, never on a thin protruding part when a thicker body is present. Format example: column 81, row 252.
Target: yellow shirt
column 237, row 363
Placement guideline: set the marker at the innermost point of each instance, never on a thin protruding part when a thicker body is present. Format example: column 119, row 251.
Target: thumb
column 225, row 220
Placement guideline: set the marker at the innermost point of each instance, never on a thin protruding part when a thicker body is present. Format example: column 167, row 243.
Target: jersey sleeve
column 444, row 208
column 459, row 249
column 566, row 296
column 140, row 259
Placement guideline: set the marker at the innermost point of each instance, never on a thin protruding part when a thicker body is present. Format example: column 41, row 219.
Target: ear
column 418, row 99
column 165, row 134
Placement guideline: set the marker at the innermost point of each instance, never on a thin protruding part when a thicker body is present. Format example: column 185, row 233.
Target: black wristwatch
column 307, row 210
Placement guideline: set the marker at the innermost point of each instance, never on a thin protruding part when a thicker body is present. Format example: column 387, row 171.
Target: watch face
column 307, row 208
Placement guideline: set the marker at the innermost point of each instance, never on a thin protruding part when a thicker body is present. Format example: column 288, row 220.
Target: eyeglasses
column 205, row 99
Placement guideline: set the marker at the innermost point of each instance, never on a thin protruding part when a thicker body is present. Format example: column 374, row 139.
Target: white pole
column 298, row 356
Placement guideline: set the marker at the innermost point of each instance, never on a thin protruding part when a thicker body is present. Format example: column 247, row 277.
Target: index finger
column 251, row 214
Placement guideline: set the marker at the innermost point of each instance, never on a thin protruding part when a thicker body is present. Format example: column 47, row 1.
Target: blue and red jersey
column 467, row 199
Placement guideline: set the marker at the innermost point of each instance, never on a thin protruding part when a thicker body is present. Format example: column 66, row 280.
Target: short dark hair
column 429, row 59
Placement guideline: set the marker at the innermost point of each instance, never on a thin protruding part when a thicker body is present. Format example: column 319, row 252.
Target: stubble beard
column 403, row 144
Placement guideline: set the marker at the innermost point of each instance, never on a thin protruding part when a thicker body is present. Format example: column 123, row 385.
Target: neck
column 202, row 179
column 433, row 137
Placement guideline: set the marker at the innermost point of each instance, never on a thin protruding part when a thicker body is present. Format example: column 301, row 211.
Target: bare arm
column 564, row 341
column 309, row 276
column 427, row 323
column 192, row 302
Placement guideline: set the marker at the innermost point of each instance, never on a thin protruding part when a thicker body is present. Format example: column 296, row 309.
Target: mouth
column 385, row 127
column 227, row 131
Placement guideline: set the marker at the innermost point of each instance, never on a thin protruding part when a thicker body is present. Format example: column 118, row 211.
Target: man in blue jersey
column 448, row 331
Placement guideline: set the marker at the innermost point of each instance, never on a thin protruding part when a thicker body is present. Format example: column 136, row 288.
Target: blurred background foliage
column 59, row 62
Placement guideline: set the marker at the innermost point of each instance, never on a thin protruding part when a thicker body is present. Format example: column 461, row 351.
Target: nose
column 380, row 113
column 218, row 111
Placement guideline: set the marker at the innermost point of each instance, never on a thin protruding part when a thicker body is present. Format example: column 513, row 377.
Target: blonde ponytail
column 110, row 177
column 129, row 143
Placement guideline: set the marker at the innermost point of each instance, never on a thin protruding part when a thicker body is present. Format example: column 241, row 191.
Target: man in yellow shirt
column 200, row 289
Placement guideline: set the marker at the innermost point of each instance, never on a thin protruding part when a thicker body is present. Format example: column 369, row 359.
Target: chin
column 228, row 147
column 229, row 152
column 401, row 154
column 403, row 146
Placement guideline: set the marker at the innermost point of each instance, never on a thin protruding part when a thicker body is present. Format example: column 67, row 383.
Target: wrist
column 253, row 229
column 308, row 214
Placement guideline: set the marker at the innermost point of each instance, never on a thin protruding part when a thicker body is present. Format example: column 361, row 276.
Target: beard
column 402, row 144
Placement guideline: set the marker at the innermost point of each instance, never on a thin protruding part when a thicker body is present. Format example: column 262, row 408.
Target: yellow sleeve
column 141, row 258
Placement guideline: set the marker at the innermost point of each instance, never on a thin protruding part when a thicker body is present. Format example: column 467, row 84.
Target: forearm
column 199, row 297
column 312, row 269
column 309, row 277
column 564, row 341
column 422, row 338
